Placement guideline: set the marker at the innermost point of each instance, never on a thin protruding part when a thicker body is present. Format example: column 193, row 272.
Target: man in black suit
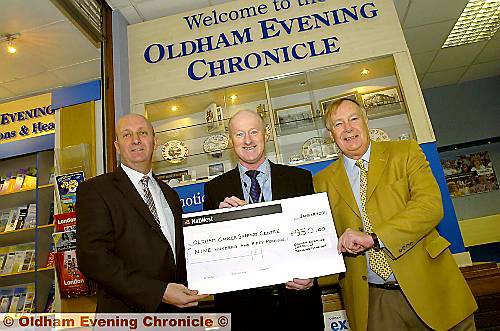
column 129, row 236
column 297, row 304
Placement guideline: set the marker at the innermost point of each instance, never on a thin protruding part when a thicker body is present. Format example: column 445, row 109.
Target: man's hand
column 232, row 202
column 180, row 296
column 299, row 284
column 354, row 242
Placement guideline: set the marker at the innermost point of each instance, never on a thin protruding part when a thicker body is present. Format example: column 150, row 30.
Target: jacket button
column 400, row 250
column 364, row 278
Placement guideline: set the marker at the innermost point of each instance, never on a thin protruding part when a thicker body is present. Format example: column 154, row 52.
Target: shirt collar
column 351, row 164
column 264, row 168
column 134, row 175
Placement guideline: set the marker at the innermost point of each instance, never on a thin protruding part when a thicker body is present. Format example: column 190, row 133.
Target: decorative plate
column 318, row 147
column 174, row 151
column 379, row 135
column 216, row 143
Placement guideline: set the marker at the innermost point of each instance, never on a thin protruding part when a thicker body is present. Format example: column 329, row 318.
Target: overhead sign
column 26, row 118
column 249, row 40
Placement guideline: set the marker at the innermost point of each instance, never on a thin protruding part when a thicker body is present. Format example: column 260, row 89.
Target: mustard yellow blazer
column 404, row 206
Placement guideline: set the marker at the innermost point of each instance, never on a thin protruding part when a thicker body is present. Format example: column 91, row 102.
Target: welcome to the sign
column 267, row 28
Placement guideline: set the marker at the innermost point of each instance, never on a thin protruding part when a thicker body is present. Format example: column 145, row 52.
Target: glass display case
column 192, row 131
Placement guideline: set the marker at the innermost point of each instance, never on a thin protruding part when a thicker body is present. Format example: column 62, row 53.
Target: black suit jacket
column 299, row 310
column 122, row 248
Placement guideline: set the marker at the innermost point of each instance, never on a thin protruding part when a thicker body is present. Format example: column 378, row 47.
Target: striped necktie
column 149, row 198
column 377, row 259
column 255, row 189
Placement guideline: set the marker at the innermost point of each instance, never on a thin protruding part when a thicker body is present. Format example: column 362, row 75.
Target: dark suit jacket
column 301, row 309
column 122, row 248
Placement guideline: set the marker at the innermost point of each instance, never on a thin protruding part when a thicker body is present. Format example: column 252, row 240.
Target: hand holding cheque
column 261, row 244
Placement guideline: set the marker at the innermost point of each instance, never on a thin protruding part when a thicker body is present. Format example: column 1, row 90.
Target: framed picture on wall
column 215, row 169
column 381, row 97
column 295, row 116
column 325, row 103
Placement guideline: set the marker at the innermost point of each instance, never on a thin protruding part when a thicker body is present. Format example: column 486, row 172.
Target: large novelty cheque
column 261, row 244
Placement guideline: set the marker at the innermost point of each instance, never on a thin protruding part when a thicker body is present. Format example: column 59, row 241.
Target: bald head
column 131, row 117
column 242, row 116
column 135, row 142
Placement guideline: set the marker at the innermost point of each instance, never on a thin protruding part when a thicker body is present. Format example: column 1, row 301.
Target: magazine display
column 66, row 187
column 72, row 282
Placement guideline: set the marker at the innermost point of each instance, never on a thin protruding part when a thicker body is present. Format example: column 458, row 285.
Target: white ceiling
column 53, row 53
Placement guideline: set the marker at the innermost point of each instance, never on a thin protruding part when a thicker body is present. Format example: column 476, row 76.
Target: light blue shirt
column 353, row 173
column 264, row 179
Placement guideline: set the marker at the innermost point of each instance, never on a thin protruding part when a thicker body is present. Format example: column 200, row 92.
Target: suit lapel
column 124, row 184
column 233, row 183
column 338, row 178
column 279, row 185
column 378, row 161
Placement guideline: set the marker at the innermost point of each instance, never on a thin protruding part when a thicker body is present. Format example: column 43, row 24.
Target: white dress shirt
column 165, row 215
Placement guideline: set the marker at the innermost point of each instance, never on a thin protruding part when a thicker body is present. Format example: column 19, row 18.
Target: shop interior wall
column 464, row 113
column 120, row 65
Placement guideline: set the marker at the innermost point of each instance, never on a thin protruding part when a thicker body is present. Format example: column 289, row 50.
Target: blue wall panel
column 75, row 95
column 448, row 227
column 27, row 146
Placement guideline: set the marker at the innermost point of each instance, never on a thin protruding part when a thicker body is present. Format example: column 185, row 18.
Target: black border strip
column 233, row 215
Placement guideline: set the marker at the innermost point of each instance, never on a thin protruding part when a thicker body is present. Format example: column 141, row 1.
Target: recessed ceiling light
column 11, row 49
column 174, row 108
column 479, row 21
column 365, row 72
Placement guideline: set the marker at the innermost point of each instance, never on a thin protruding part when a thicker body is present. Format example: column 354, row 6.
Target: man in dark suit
column 129, row 236
column 297, row 304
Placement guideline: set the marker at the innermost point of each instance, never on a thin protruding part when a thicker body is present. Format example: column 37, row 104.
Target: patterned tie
column 149, row 198
column 255, row 186
column 377, row 259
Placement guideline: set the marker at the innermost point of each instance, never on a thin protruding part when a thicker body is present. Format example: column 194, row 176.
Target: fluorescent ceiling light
column 479, row 21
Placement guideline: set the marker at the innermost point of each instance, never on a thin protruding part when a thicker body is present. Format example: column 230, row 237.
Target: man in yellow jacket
column 386, row 204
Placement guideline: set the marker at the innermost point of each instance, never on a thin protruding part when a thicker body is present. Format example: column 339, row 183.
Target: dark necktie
column 149, row 198
column 254, row 186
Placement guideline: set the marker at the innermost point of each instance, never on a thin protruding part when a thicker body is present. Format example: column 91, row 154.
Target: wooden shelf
column 17, row 237
column 41, row 235
column 45, row 269
column 17, row 192
column 17, row 278
column 21, row 236
column 46, row 226
column 17, row 199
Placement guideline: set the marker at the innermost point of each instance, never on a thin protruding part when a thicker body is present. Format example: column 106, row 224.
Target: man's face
column 248, row 137
column 350, row 130
column 135, row 142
